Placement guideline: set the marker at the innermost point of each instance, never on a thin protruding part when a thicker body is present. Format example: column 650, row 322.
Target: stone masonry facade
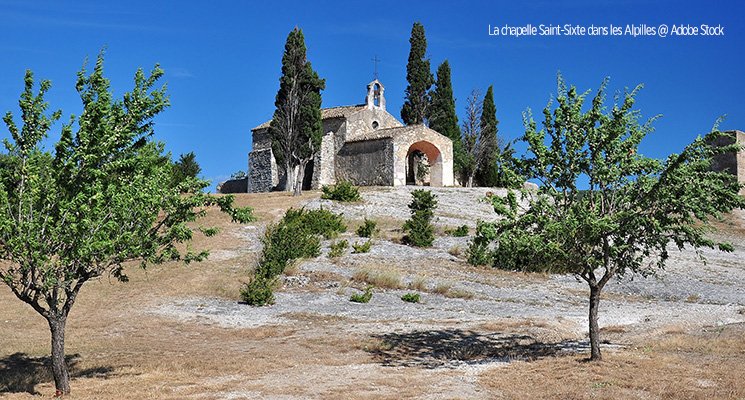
column 362, row 144
column 733, row 163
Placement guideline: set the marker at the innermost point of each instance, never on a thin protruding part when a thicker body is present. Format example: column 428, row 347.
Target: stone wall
column 366, row 163
column 363, row 121
column 324, row 171
column 437, row 148
column 733, row 163
column 260, row 139
column 262, row 171
column 233, row 186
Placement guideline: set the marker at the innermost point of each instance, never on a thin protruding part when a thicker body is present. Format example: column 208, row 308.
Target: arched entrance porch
column 424, row 164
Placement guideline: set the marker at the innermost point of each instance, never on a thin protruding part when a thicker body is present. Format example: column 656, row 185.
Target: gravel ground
column 688, row 293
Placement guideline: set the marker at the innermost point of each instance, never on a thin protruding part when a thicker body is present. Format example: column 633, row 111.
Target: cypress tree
column 296, row 128
column 419, row 77
column 442, row 116
column 441, row 113
column 487, row 169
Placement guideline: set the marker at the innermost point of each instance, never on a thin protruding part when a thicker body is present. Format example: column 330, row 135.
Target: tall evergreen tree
column 296, row 128
column 419, row 77
column 185, row 167
column 486, row 173
column 472, row 147
column 442, row 116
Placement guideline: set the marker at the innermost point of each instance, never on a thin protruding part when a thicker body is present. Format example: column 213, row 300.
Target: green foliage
column 418, row 228
column 258, row 292
column 422, row 166
column 296, row 128
column 337, row 249
column 633, row 209
column 461, row 231
column 479, row 252
column 295, row 236
column 344, row 191
column 419, row 78
column 362, row 297
column 186, row 168
column 411, row 298
column 442, row 115
column 103, row 199
column 361, row 247
column 441, row 112
column 323, row 222
column 367, row 229
column 486, row 170
column 238, row 175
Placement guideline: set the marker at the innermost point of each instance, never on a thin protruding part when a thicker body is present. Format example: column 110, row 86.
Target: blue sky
column 222, row 59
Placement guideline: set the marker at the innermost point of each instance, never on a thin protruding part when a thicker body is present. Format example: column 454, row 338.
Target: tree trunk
column 469, row 183
column 59, row 367
column 594, row 330
column 299, row 178
column 289, row 181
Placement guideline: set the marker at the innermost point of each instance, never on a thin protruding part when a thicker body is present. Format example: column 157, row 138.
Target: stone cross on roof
column 375, row 61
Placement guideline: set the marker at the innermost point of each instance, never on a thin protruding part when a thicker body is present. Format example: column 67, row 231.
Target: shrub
column 317, row 222
column 460, row 231
column 367, row 229
column 411, row 297
column 419, row 229
column 478, row 251
column 337, row 249
column 361, row 247
column 295, row 236
column 343, row 191
column 258, row 292
column 362, row 297
column 479, row 254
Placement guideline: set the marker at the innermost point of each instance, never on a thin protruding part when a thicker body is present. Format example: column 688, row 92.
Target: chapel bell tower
column 375, row 98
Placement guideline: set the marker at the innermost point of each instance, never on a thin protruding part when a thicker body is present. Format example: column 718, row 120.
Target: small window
column 375, row 125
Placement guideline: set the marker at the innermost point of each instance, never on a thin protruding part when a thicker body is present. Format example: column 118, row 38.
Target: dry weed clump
column 419, row 283
column 384, row 279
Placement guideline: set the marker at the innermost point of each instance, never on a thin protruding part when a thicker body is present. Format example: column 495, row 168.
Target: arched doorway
column 423, row 164
column 308, row 177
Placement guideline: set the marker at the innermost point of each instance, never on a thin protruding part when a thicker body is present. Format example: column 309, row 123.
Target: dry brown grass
column 122, row 351
column 419, row 283
column 455, row 251
column 703, row 366
column 442, row 288
column 455, row 293
column 380, row 278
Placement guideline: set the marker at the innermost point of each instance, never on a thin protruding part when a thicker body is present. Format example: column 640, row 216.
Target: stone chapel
column 362, row 144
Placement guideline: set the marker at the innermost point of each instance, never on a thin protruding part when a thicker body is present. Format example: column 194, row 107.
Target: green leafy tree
column 632, row 211
column 296, row 128
column 418, row 228
column 101, row 201
column 186, row 167
column 419, row 77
